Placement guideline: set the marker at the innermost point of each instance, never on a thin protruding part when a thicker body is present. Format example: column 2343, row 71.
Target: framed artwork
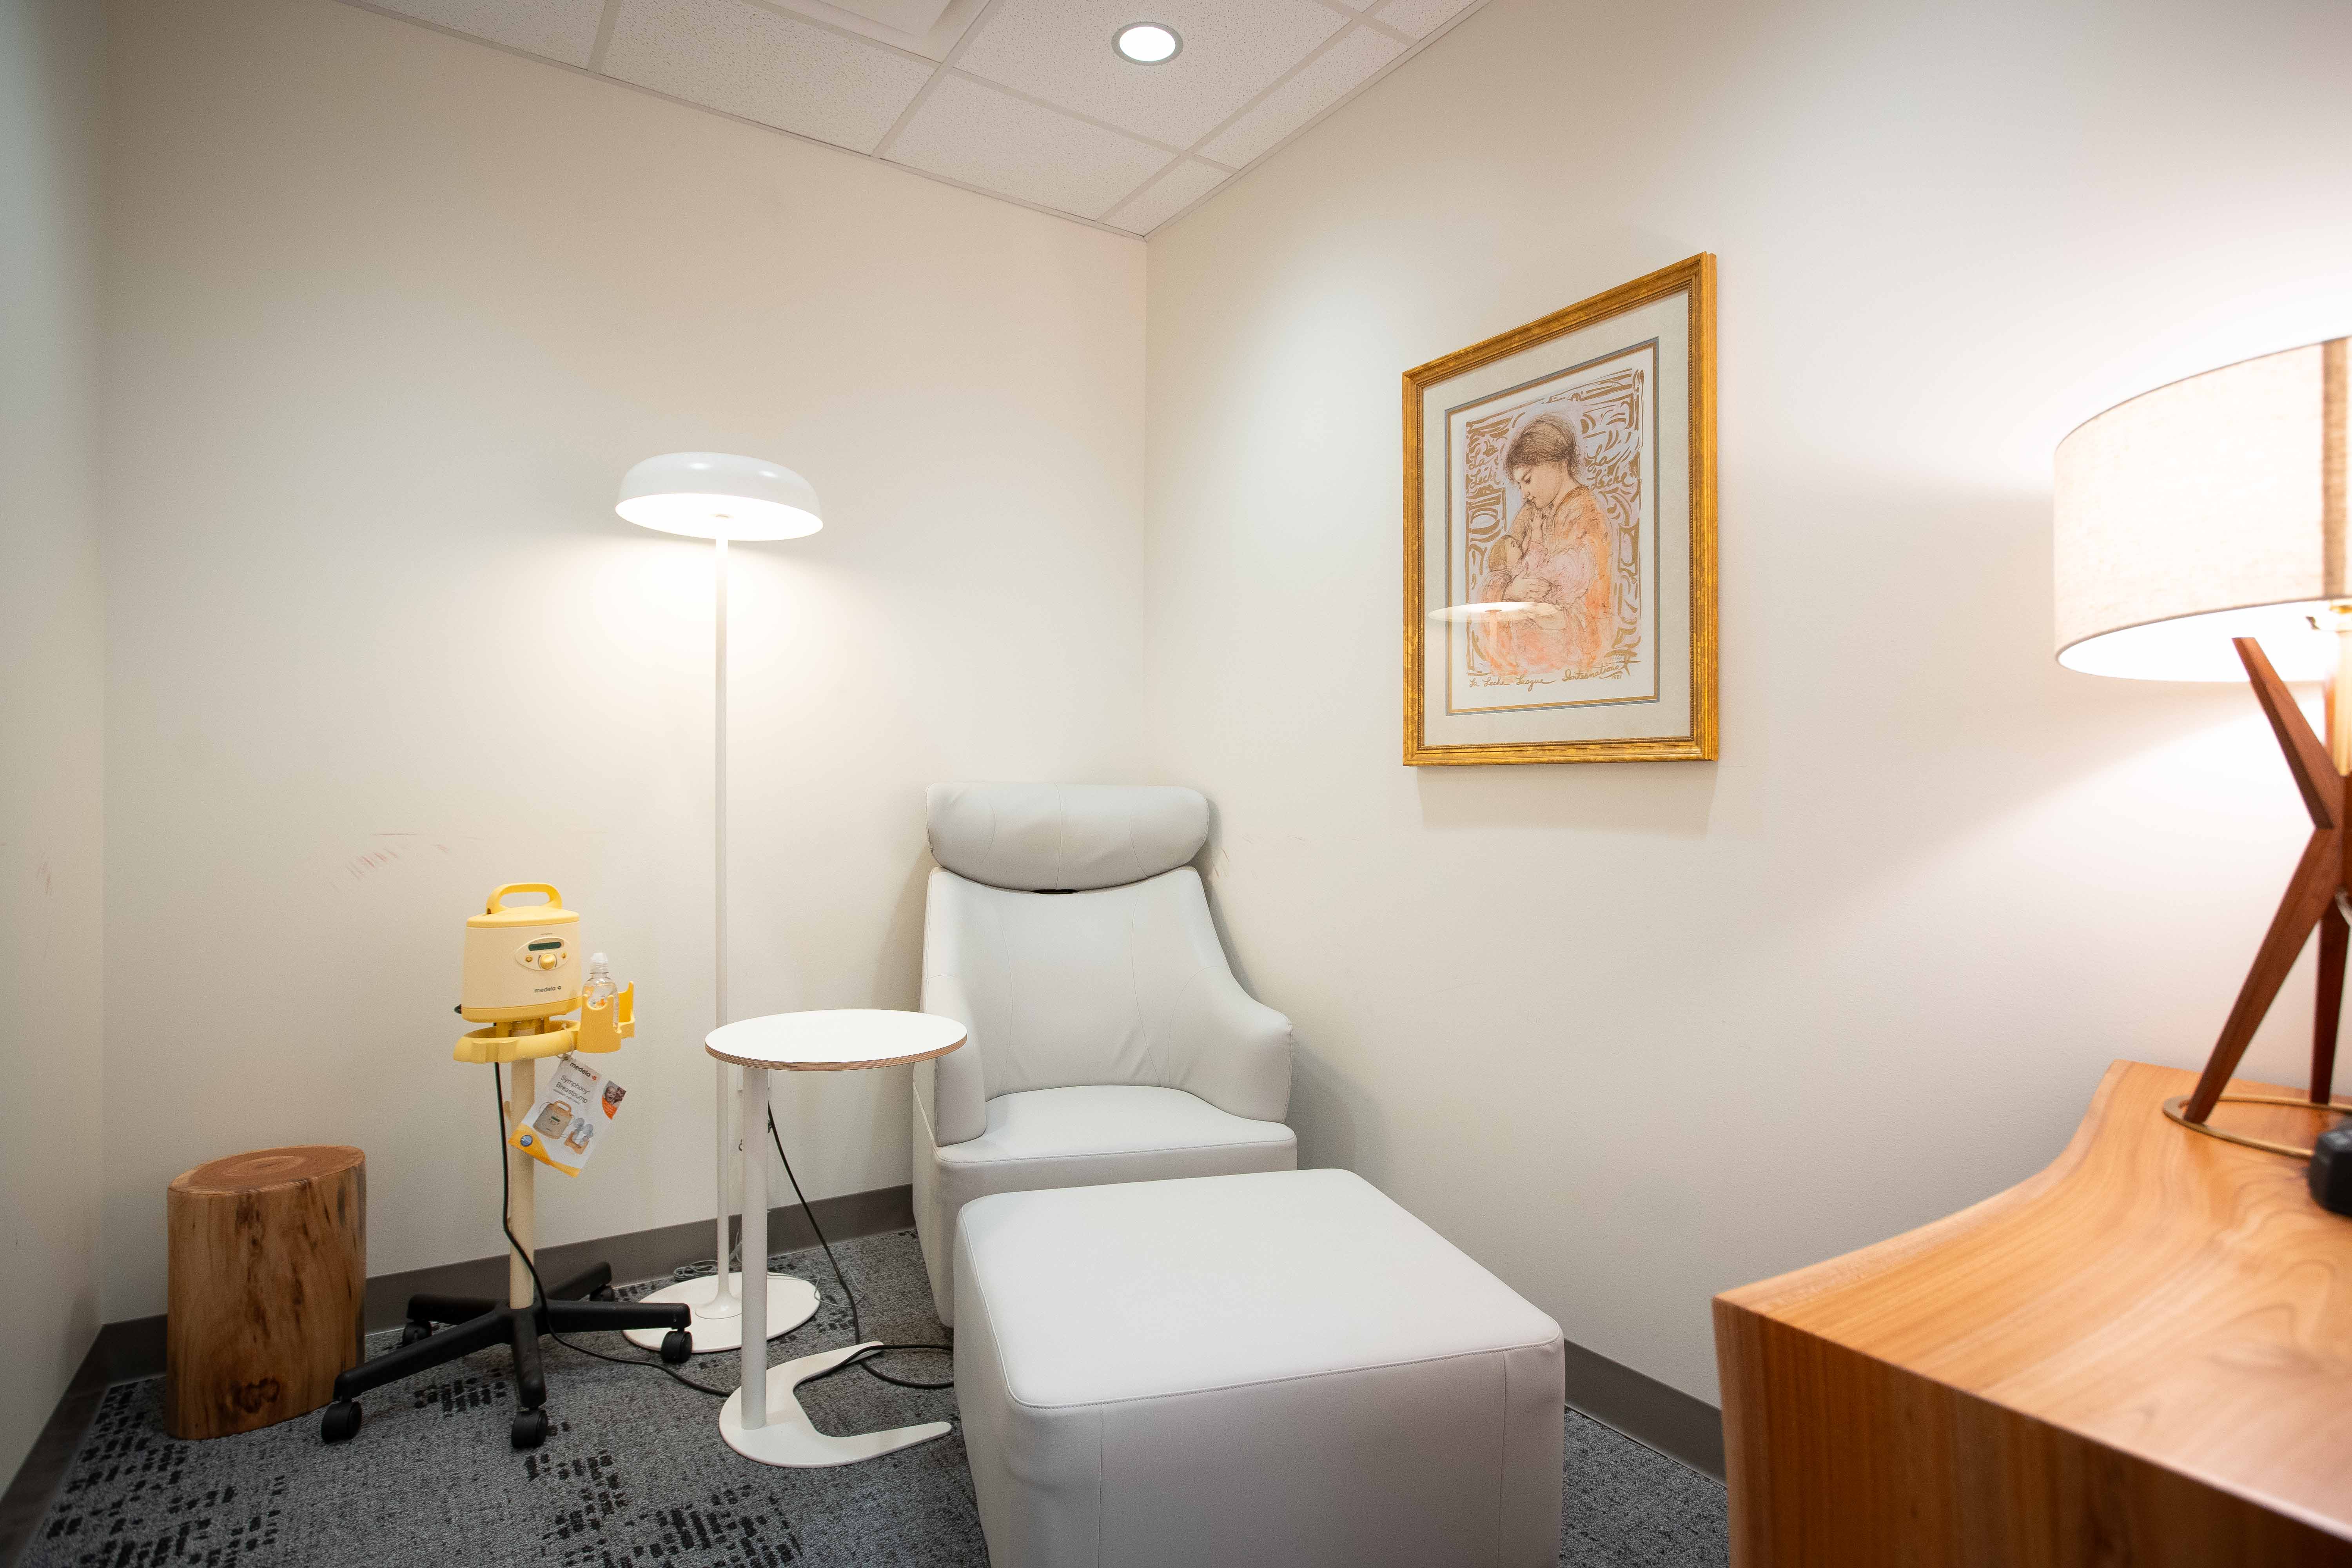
column 1560, row 535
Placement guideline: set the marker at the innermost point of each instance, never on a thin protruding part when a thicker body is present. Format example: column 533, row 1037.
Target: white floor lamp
column 713, row 496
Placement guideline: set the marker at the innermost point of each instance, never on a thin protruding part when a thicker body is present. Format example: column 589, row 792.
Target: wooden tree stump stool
column 268, row 1276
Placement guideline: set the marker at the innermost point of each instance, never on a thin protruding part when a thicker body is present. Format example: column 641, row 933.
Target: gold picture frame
column 1565, row 535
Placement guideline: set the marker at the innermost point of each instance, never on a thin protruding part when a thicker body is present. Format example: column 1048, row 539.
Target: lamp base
column 2176, row 1108
column 791, row 1303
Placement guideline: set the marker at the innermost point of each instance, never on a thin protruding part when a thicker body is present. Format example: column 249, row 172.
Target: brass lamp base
column 2176, row 1108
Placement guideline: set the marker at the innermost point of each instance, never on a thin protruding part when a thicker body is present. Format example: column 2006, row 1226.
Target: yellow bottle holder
column 603, row 1028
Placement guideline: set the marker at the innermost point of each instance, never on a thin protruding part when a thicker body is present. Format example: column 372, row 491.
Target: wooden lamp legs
column 2319, row 893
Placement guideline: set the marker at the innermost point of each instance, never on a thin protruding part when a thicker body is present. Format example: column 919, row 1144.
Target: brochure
column 565, row 1126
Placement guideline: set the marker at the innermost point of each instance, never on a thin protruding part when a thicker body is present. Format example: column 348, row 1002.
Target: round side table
column 762, row 1420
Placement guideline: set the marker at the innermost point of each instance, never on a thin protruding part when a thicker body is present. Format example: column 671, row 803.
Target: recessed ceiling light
column 1147, row 43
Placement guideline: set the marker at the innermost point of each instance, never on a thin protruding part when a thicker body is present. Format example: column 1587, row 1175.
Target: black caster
column 529, row 1428
column 342, row 1422
column 603, row 1294
column 677, row 1346
column 412, row 1331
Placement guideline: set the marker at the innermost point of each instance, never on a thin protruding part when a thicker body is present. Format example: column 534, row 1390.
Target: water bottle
column 602, row 986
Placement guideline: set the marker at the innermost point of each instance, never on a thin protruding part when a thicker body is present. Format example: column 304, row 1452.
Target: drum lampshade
column 2207, row 509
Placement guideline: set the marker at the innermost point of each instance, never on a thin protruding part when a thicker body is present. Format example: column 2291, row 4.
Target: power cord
column 856, row 1326
column 538, row 1288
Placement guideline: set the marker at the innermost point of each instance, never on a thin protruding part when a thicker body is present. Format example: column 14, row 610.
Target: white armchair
column 1107, row 1039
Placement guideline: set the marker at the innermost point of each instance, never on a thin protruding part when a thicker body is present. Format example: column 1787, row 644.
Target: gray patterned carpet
column 633, row 1472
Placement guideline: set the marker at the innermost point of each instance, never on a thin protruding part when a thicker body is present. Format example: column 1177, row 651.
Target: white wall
column 388, row 314
column 1634, row 1034
column 52, row 673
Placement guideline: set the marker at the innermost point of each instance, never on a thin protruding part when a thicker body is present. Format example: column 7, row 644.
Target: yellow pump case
column 522, row 962
column 523, row 966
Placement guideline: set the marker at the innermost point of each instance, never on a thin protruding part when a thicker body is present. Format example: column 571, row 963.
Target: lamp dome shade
column 2207, row 509
column 713, row 495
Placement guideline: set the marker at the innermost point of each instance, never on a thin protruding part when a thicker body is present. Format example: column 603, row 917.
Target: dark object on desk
column 2331, row 1170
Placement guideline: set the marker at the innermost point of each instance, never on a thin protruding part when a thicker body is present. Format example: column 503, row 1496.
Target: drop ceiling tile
column 1420, row 17
column 927, row 27
column 967, row 132
column 1060, row 51
column 1325, row 80
column 746, row 61
column 907, row 16
column 1166, row 196
column 559, row 29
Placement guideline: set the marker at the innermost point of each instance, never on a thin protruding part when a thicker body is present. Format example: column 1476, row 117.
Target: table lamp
column 714, row 496
column 2199, row 534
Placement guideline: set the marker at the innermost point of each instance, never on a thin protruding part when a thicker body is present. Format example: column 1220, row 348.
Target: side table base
column 788, row 1440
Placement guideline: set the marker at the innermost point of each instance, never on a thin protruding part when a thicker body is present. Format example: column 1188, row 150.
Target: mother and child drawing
column 1552, row 508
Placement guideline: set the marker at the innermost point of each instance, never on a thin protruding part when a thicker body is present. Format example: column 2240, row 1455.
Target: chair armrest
column 1237, row 1048
column 950, row 1087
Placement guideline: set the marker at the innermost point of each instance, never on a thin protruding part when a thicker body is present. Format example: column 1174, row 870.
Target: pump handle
column 555, row 898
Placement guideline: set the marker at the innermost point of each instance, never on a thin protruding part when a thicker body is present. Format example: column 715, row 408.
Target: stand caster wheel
column 529, row 1430
column 412, row 1331
column 342, row 1422
column 677, row 1346
column 603, row 1294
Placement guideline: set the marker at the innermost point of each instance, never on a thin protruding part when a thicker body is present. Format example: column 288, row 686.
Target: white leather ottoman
column 1283, row 1368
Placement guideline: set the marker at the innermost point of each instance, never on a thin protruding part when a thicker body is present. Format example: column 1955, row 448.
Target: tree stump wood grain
column 269, row 1278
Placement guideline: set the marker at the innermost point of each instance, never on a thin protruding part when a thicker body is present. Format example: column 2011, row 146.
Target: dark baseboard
column 28, row 1497
column 1654, row 1414
column 640, row 1255
column 133, row 1349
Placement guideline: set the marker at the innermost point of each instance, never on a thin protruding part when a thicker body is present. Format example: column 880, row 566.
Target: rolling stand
column 582, row 1305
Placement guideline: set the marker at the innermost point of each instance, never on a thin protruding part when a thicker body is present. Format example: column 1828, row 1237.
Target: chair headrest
column 1039, row 837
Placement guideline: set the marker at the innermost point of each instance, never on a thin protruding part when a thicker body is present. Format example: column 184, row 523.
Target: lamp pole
column 721, row 498
column 723, row 1301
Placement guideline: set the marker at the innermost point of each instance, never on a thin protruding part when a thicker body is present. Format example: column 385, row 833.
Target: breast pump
column 523, row 974
column 522, row 971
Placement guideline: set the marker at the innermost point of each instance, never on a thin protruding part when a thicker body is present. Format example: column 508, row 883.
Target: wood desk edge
column 1774, row 1299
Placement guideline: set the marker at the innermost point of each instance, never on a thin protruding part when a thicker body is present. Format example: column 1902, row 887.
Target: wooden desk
column 2142, row 1355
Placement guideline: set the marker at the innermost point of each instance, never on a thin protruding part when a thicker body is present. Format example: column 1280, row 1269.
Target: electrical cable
column 856, row 1325
column 538, row 1287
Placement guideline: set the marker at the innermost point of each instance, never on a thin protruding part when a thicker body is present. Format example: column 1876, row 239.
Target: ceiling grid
column 1024, row 100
